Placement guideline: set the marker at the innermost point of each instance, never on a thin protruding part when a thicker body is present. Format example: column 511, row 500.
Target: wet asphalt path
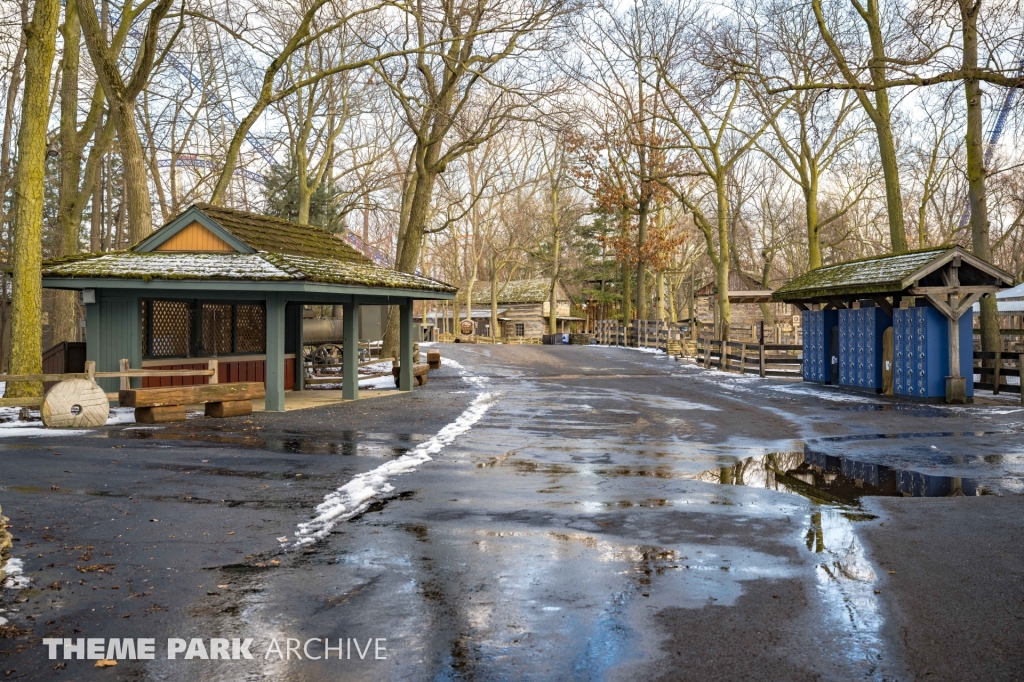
column 579, row 530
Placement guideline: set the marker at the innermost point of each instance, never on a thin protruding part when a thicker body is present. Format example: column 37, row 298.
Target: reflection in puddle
column 846, row 583
column 845, row 578
column 828, row 479
column 347, row 443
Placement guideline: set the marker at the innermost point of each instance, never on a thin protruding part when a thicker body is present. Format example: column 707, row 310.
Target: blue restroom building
column 898, row 324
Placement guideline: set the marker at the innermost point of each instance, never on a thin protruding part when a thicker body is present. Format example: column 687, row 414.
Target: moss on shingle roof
column 277, row 235
column 515, row 291
column 874, row 275
column 256, row 267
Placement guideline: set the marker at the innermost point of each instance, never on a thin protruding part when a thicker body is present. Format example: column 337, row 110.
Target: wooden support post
column 350, row 352
column 743, row 359
column 295, row 324
column 405, row 376
column 90, row 369
column 760, row 359
column 123, row 366
column 212, row 366
column 274, row 372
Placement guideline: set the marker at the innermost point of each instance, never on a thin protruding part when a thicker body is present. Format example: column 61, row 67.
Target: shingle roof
column 277, row 235
column 257, row 267
column 515, row 291
column 878, row 274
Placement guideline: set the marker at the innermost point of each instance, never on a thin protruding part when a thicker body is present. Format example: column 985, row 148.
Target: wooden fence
column 509, row 340
column 763, row 359
column 995, row 369
column 655, row 334
column 126, row 374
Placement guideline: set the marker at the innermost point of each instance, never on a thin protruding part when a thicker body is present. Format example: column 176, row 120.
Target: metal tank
column 317, row 330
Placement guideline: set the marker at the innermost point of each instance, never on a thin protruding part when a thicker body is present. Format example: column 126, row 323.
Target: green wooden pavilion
column 217, row 282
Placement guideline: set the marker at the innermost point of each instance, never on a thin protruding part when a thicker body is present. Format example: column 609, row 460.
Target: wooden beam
column 966, row 304
column 942, row 306
column 955, row 290
column 165, row 396
column 883, row 303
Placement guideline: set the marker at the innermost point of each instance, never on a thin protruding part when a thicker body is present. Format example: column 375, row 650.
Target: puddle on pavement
column 828, row 479
column 347, row 444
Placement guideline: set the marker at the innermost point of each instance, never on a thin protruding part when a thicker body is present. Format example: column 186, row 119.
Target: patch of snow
column 652, row 351
column 378, row 383
column 121, row 415
column 16, row 578
column 356, row 495
column 834, row 396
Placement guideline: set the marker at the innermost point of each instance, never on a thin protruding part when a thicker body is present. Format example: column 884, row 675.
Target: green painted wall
column 113, row 332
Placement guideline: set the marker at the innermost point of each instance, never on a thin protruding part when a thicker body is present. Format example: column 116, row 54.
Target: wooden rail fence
column 995, row 368
column 125, row 374
column 764, row 359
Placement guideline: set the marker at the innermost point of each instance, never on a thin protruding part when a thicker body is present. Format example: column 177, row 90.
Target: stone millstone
column 75, row 403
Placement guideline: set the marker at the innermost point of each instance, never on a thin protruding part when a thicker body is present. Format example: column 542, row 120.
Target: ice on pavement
column 356, row 495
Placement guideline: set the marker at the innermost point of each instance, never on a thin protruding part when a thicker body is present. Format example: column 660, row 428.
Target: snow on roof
column 1016, row 292
column 256, row 267
column 1005, row 307
column 514, row 291
column 865, row 276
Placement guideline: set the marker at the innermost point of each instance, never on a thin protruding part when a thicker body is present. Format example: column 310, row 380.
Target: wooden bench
column 434, row 358
column 167, row 403
column 419, row 373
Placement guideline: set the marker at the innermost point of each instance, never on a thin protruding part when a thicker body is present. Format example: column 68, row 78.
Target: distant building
column 524, row 308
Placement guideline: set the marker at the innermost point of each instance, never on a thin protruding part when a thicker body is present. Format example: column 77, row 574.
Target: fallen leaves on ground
column 96, row 568
column 105, row 663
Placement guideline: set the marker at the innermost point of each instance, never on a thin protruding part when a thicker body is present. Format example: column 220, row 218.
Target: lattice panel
column 252, row 329
column 172, row 328
column 216, row 328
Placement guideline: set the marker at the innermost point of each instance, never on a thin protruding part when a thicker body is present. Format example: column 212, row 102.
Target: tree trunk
column 722, row 266
column 553, row 313
column 96, row 223
column 495, row 328
column 891, row 174
column 982, row 247
column 883, row 127
column 136, row 177
column 813, row 228
column 64, row 323
column 641, row 267
column 27, row 297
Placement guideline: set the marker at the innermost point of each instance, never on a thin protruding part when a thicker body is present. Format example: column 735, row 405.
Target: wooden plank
column 12, row 378
column 21, row 402
column 953, row 290
column 147, row 373
column 229, row 408
column 160, row 415
column 188, row 395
